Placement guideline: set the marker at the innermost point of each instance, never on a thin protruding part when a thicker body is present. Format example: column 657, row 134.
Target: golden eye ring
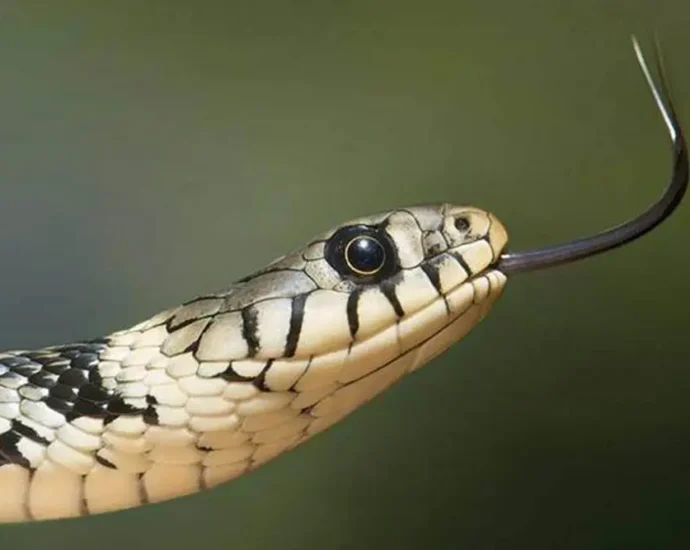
column 365, row 255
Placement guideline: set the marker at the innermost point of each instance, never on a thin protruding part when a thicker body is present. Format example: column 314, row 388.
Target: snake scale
column 204, row 392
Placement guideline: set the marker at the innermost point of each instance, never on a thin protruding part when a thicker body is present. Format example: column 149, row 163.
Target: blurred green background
column 153, row 151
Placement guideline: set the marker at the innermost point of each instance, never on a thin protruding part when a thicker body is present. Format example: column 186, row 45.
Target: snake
column 212, row 389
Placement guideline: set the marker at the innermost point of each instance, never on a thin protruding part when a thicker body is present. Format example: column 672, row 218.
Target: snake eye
column 365, row 255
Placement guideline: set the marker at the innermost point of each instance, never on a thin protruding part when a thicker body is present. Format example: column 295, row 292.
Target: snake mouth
column 429, row 330
column 486, row 288
column 371, row 366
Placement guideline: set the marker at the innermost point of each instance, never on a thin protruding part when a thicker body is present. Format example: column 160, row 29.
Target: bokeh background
column 152, row 151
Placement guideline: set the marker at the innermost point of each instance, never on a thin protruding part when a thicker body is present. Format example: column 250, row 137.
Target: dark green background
column 152, row 151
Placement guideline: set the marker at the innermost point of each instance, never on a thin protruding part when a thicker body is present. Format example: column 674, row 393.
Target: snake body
column 212, row 389
column 207, row 391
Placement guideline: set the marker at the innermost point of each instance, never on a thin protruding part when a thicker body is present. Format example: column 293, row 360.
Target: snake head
column 378, row 249
column 371, row 274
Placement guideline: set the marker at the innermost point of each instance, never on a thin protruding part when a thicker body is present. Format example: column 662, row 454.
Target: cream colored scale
column 205, row 392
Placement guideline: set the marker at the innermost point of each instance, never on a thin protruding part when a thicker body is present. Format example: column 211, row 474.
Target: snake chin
column 371, row 366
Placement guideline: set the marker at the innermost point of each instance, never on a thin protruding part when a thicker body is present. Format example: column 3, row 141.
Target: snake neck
column 139, row 417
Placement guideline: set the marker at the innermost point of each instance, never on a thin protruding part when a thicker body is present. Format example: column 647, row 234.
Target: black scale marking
column 27, row 431
column 230, row 375
column 9, row 452
column 458, row 258
column 105, row 462
column 260, row 381
column 388, row 290
column 296, row 320
column 250, row 329
column 352, row 313
column 66, row 379
column 431, row 270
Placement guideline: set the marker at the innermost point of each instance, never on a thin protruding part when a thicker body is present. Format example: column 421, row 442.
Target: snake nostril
column 462, row 223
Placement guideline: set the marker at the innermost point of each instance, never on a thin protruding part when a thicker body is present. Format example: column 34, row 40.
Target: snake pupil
column 365, row 255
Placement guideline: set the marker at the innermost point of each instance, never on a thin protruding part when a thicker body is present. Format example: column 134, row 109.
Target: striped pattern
column 209, row 390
